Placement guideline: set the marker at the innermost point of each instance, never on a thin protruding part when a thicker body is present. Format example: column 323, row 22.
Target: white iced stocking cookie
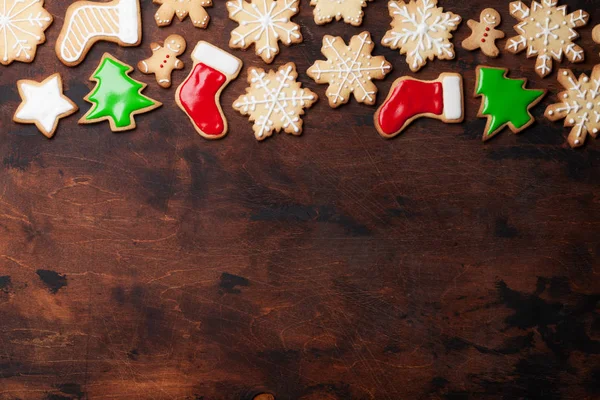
column 349, row 69
column 349, row 10
column 22, row 26
column 275, row 101
column 182, row 8
column 264, row 23
column 421, row 30
column 164, row 60
column 87, row 22
column 484, row 33
column 43, row 104
column 547, row 32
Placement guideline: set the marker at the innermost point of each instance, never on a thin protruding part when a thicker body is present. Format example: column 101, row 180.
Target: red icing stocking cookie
column 199, row 95
column 410, row 99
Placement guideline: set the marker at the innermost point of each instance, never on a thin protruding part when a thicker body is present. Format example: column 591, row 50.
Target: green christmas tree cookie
column 505, row 101
column 116, row 97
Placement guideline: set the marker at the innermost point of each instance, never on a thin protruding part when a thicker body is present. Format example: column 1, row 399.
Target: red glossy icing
column 410, row 98
column 198, row 95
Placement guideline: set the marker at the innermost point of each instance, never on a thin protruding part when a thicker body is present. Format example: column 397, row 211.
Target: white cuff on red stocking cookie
column 199, row 95
column 410, row 99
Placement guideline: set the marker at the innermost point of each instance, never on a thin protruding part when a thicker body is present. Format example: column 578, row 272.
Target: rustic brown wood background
column 155, row 264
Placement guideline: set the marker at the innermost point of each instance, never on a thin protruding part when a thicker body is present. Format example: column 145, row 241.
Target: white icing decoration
column 43, row 103
column 216, row 58
column 453, row 97
column 13, row 22
column 422, row 31
column 89, row 21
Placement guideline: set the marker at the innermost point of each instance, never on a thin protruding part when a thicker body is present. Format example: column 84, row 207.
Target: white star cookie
column 264, row 23
column 349, row 69
column 547, row 32
column 43, row 104
column 349, row 10
column 22, row 26
column 421, row 30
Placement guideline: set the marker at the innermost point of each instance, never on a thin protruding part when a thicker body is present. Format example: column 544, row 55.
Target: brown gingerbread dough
column 164, row 59
column 484, row 34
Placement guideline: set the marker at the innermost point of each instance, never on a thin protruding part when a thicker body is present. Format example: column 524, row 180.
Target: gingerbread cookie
column 22, row 26
column 86, row 22
column 117, row 97
column 421, row 30
column 182, row 8
column 199, row 95
column 547, row 32
column 264, row 23
column 349, row 69
column 410, row 99
column 275, row 101
column 43, row 104
column 505, row 101
column 596, row 34
column 349, row 10
column 484, row 34
column 579, row 105
column 164, row 60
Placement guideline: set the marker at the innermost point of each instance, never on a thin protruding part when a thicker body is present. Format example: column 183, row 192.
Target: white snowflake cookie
column 349, row 10
column 349, row 69
column 275, row 101
column 264, row 23
column 422, row 31
column 22, row 26
column 579, row 106
column 547, row 32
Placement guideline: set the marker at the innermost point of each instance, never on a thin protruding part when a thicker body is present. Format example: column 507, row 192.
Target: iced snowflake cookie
column 410, row 99
column 421, row 30
column 86, row 22
column 349, row 10
column 117, row 97
column 547, row 32
column 199, row 95
column 579, row 106
column 484, row 33
column 275, row 101
column 505, row 101
column 264, row 23
column 164, row 60
column 22, row 26
column 43, row 104
column 182, row 8
column 349, row 69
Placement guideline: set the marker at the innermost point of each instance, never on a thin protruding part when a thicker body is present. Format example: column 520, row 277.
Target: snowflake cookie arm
column 264, row 23
column 350, row 11
column 422, row 31
column 580, row 106
column 275, row 101
column 349, row 69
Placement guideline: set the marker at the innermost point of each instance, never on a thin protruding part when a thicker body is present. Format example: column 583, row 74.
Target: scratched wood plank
column 154, row 264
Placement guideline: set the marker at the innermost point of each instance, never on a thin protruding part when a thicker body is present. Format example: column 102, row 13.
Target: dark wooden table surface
column 155, row 264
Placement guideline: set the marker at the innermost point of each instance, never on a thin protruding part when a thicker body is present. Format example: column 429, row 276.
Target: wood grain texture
column 155, row 264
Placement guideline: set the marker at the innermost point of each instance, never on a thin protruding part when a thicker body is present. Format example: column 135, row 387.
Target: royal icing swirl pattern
column 422, row 31
column 547, row 32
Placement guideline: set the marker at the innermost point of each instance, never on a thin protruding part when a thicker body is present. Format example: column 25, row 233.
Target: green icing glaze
column 116, row 95
column 505, row 100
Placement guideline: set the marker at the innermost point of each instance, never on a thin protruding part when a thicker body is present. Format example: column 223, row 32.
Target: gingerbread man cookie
column 164, row 60
column 182, row 8
column 484, row 34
